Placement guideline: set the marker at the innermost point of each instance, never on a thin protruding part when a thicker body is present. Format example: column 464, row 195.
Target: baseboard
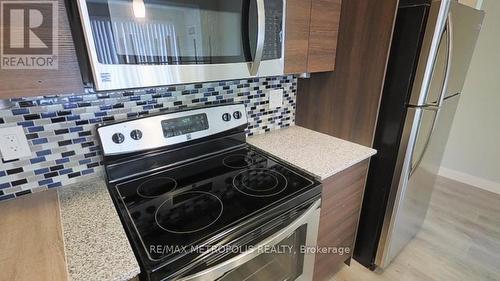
column 470, row 180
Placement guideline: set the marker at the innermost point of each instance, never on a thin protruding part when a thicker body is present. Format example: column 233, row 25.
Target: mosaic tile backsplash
column 61, row 128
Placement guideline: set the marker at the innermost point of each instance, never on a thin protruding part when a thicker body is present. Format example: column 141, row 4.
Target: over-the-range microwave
column 124, row 44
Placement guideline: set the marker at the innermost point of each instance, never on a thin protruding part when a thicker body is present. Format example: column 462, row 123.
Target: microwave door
column 136, row 44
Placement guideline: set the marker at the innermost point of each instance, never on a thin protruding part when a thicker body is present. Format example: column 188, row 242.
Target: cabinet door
column 298, row 17
column 324, row 29
column 34, row 82
column 341, row 198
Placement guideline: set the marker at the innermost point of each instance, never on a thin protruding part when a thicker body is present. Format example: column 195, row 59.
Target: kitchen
column 223, row 140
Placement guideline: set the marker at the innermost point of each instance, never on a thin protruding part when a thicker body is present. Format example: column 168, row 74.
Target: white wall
column 473, row 151
column 473, row 3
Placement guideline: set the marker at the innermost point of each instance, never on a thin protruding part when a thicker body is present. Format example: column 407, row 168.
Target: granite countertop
column 95, row 242
column 315, row 153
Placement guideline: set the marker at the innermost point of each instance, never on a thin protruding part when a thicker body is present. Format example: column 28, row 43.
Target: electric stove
column 197, row 193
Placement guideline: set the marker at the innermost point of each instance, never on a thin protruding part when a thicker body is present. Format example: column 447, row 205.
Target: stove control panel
column 157, row 131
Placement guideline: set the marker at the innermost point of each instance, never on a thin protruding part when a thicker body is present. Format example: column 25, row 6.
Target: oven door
column 144, row 43
column 281, row 256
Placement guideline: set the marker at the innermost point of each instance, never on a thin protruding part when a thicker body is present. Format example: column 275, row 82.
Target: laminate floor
column 459, row 240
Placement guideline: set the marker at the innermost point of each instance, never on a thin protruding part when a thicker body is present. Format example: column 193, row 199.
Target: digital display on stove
column 184, row 125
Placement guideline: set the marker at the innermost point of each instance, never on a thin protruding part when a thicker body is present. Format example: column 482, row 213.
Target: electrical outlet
column 275, row 98
column 13, row 143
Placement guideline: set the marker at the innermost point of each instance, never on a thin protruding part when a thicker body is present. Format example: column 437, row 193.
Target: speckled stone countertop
column 318, row 154
column 95, row 242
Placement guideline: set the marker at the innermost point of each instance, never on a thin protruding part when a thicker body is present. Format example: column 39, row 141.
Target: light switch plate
column 275, row 98
column 13, row 143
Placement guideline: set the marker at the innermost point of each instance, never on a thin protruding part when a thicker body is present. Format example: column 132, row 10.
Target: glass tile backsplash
column 61, row 129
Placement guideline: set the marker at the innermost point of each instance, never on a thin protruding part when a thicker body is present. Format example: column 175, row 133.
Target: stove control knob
column 226, row 117
column 136, row 134
column 237, row 114
column 118, row 138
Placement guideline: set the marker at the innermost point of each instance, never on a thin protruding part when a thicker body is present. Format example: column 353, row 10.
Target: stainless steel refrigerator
column 432, row 46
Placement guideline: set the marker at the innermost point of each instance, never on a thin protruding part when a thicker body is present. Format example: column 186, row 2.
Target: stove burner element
column 237, row 161
column 260, row 182
column 189, row 212
column 155, row 187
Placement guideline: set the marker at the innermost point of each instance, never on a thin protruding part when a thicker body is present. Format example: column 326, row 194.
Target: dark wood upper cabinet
column 65, row 79
column 345, row 103
column 298, row 17
column 311, row 35
column 324, row 30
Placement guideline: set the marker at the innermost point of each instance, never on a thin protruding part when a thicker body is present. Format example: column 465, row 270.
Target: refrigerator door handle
column 449, row 59
column 413, row 167
column 448, row 29
column 444, row 89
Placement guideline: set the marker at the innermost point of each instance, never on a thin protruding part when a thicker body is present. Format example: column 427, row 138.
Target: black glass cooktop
column 186, row 204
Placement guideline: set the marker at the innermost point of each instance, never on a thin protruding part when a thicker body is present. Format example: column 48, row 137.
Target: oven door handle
column 310, row 217
column 261, row 36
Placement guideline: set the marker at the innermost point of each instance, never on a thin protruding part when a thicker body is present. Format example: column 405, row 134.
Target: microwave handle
column 261, row 36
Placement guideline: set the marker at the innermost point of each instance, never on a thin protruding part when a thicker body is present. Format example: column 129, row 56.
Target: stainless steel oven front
column 144, row 43
column 282, row 256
